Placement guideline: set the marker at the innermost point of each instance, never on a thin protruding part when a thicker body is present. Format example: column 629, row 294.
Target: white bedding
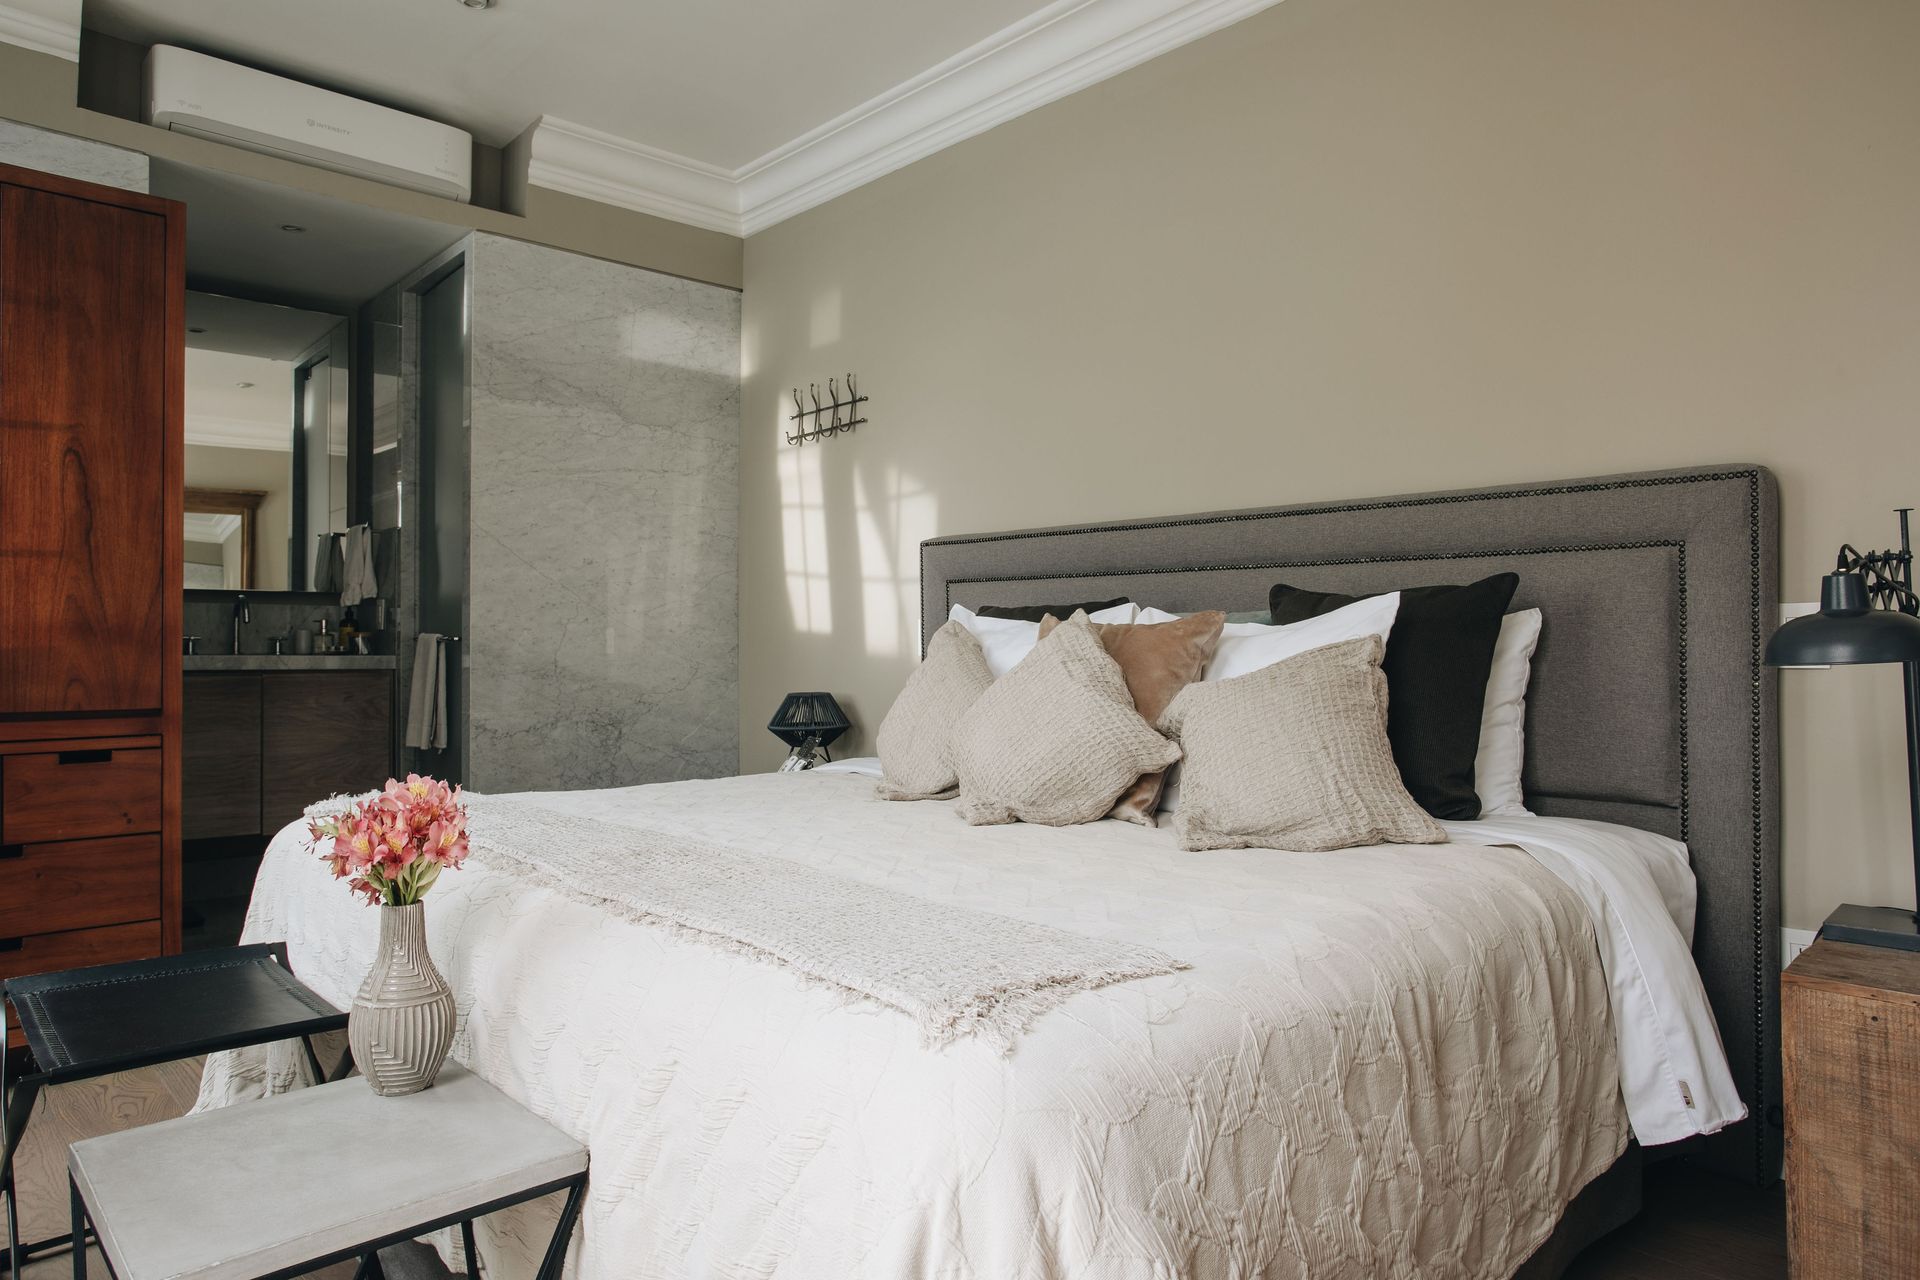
column 1384, row 1062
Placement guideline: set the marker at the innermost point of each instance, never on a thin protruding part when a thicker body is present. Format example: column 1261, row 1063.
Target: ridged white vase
column 401, row 1023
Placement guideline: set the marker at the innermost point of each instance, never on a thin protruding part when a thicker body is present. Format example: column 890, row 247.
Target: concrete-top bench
column 283, row 1185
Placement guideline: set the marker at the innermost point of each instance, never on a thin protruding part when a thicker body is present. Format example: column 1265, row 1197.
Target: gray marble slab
column 70, row 157
column 284, row 1180
column 287, row 662
column 602, row 647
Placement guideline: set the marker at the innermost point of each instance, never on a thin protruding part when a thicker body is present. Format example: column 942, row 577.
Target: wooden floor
column 1695, row 1226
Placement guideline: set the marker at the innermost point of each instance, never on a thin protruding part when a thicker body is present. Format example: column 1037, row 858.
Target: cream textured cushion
column 1294, row 756
column 1055, row 740
column 913, row 739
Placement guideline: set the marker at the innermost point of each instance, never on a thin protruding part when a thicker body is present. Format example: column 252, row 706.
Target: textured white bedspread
column 1386, row 1062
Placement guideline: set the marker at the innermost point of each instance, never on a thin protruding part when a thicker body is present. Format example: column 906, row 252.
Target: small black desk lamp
column 1867, row 615
column 807, row 722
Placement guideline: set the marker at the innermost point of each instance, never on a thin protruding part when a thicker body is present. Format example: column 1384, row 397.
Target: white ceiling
column 726, row 114
column 247, row 328
column 223, row 413
column 719, row 81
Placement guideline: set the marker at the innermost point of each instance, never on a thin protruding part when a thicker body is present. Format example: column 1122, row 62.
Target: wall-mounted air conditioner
column 191, row 93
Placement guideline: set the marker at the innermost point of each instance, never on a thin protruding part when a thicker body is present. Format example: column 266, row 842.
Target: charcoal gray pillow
column 915, row 760
column 1294, row 756
column 1055, row 740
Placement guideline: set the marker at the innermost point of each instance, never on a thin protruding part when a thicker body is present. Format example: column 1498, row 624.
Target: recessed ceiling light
column 477, row 4
column 243, row 385
column 195, row 329
column 293, row 229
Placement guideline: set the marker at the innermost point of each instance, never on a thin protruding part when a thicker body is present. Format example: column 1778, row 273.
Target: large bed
column 1400, row 1060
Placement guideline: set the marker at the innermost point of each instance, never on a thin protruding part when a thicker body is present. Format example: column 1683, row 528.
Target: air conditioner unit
column 191, row 93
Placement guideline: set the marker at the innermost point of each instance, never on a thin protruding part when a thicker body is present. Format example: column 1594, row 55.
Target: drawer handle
column 12, row 851
column 86, row 757
column 13, row 944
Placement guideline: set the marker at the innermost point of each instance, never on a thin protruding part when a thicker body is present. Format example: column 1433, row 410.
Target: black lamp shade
column 808, row 717
column 1847, row 631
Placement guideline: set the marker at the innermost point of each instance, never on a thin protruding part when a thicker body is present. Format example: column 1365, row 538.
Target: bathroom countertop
column 287, row 662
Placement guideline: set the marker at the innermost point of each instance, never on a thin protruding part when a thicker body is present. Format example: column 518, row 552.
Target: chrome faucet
column 240, row 614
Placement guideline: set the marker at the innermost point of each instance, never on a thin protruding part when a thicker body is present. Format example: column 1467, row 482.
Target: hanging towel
column 427, row 703
column 327, row 565
column 358, row 583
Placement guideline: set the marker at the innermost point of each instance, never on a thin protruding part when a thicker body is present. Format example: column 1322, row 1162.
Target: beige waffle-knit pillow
column 1055, row 740
column 1294, row 756
column 914, row 739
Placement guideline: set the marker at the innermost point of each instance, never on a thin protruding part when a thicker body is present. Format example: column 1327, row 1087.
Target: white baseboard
column 1792, row 943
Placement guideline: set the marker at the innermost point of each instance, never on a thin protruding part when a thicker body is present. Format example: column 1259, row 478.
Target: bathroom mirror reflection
column 268, row 389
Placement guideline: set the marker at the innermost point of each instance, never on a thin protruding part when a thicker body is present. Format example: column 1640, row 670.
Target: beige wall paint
column 265, row 470
column 40, row 89
column 1356, row 247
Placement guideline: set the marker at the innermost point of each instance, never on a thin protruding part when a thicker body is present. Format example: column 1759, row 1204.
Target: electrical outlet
column 1792, row 943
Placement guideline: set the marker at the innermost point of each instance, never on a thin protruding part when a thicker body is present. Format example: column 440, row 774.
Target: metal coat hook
column 823, row 420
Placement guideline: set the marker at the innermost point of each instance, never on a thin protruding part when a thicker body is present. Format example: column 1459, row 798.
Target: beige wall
column 265, row 470
column 1354, row 247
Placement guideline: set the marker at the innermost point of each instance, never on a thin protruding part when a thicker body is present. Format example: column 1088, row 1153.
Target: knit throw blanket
column 957, row 972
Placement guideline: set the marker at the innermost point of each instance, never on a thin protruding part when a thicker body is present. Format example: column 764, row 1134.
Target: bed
column 1376, row 1062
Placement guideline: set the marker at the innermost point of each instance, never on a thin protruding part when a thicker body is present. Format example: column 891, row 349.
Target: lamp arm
column 1912, row 673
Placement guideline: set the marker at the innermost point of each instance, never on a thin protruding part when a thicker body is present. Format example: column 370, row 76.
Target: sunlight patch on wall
column 895, row 514
column 803, row 536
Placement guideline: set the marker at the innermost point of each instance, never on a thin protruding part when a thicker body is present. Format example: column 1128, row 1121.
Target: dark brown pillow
column 1158, row 660
column 1035, row 612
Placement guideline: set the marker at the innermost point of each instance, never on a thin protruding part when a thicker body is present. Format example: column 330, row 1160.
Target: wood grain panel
column 78, row 948
column 1850, row 1041
column 322, row 733
column 220, row 744
column 84, row 328
column 79, row 794
column 78, row 884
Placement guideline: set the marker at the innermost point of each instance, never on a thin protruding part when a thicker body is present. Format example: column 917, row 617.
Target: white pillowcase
column 1503, row 718
column 1006, row 641
column 1248, row 646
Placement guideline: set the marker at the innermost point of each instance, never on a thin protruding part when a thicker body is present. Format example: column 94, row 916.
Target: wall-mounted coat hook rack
column 823, row 421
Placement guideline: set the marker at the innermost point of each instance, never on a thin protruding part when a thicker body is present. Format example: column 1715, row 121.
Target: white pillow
column 1248, row 646
column 1503, row 718
column 1006, row 641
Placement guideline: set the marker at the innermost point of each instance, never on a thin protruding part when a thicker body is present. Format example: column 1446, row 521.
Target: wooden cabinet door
column 321, row 734
column 83, row 427
column 220, row 748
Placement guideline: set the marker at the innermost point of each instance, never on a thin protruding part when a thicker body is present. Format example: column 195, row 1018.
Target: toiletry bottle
column 349, row 628
column 323, row 636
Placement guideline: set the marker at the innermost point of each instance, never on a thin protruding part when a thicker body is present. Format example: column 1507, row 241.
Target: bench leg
column 19, row 1109
column 343, row 1068
column 79, row 1230
column 469, row 1254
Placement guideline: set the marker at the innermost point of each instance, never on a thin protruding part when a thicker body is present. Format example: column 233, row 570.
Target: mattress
column 1395, row 1061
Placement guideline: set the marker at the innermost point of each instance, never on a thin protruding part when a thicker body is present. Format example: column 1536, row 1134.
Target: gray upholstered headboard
column 1648, row 706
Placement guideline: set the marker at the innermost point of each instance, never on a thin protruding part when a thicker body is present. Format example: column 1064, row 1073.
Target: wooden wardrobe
column 92, row 367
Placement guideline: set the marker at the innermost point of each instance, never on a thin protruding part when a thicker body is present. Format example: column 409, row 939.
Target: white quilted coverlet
column 1386, row 1062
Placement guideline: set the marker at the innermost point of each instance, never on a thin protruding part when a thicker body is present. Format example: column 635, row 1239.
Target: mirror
column 268, row 389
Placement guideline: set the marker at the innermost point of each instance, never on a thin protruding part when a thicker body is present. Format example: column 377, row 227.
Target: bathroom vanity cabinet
column 261, row 745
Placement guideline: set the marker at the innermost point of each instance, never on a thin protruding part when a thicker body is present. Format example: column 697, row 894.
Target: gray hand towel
column 357, row 582
column 427, row 702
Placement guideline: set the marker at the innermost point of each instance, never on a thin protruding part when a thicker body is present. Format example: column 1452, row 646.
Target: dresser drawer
column 78, row 884
column 79, row 794
column 78, row 948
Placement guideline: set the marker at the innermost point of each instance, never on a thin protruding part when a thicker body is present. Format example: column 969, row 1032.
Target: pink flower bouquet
column 392, row 846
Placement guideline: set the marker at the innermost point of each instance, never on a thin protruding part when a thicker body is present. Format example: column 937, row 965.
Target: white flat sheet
column 1394, row 1061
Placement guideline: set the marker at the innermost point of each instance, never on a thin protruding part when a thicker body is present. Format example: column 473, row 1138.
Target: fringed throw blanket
column 955, row 971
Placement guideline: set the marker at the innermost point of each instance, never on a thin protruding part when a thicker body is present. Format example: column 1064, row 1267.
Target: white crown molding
column 44, row 26
column 237, row 433
column 1055, row 51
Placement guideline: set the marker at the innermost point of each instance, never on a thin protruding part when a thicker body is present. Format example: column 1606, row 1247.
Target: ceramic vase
column 401, row 1023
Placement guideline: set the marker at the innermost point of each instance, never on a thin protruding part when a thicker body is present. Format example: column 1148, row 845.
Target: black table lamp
column 1850, row 629
column 807, row 722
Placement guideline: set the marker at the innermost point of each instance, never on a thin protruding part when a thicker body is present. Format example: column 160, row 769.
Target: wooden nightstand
column 1850, row 1040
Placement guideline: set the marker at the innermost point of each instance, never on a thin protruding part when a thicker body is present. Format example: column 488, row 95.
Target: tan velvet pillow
column 914, row 739
column 1158, row 660
column 1056, row 739
column 1294, row 756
